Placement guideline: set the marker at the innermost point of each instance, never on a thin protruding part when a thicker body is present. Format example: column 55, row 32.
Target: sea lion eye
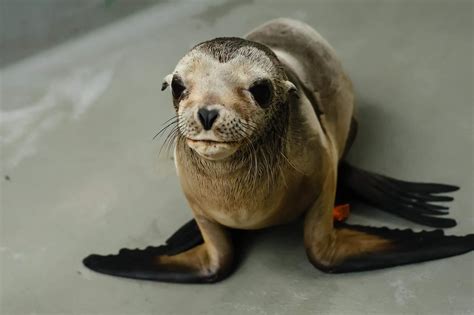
column 177, row 87
column 262, row 92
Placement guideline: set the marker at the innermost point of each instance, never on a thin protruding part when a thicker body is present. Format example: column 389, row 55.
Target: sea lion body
column 261, row 130
column 312, row 143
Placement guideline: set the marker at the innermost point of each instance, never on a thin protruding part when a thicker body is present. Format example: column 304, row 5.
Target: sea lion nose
column 207, row 117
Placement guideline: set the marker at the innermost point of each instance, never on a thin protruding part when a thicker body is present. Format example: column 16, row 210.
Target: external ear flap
column 166, row 82
column 291, row 89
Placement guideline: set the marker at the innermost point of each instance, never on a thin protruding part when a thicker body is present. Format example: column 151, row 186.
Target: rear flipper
column 182, row 259
column 358, row 248
column 412, row 201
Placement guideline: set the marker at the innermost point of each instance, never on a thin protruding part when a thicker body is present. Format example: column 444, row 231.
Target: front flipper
column 409, row 200
column 185, row 258
column 360, row 248
column 186, row 237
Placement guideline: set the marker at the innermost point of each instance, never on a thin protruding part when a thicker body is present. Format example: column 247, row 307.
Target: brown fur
column 288, row 164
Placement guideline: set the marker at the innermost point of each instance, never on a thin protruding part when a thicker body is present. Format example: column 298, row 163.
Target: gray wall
column 27, row 26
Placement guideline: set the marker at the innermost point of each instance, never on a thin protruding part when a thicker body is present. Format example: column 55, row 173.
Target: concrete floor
column 81, row 174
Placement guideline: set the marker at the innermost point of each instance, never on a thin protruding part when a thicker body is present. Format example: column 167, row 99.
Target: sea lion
column 261, row 130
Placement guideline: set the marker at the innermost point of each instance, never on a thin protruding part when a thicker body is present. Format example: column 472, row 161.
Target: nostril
column 212, row 116
column 207, row 117
column 203, row 117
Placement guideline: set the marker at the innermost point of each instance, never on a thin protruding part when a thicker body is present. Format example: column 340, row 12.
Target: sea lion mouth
column 210, row 142
column 212, row 149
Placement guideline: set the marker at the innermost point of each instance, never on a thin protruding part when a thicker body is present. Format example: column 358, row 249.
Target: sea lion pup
column 262, row 126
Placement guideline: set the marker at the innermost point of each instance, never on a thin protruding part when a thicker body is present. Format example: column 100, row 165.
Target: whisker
column 174, row 117
column 169, row 140
column 164, row 129
column 167, row 123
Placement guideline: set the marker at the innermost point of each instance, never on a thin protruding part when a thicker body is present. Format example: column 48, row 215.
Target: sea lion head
column 226, row 93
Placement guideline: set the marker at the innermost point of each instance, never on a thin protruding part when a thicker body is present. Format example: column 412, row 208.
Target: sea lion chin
column 213, row 150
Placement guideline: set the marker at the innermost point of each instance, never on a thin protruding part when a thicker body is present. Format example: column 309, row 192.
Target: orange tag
column 341, row 212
